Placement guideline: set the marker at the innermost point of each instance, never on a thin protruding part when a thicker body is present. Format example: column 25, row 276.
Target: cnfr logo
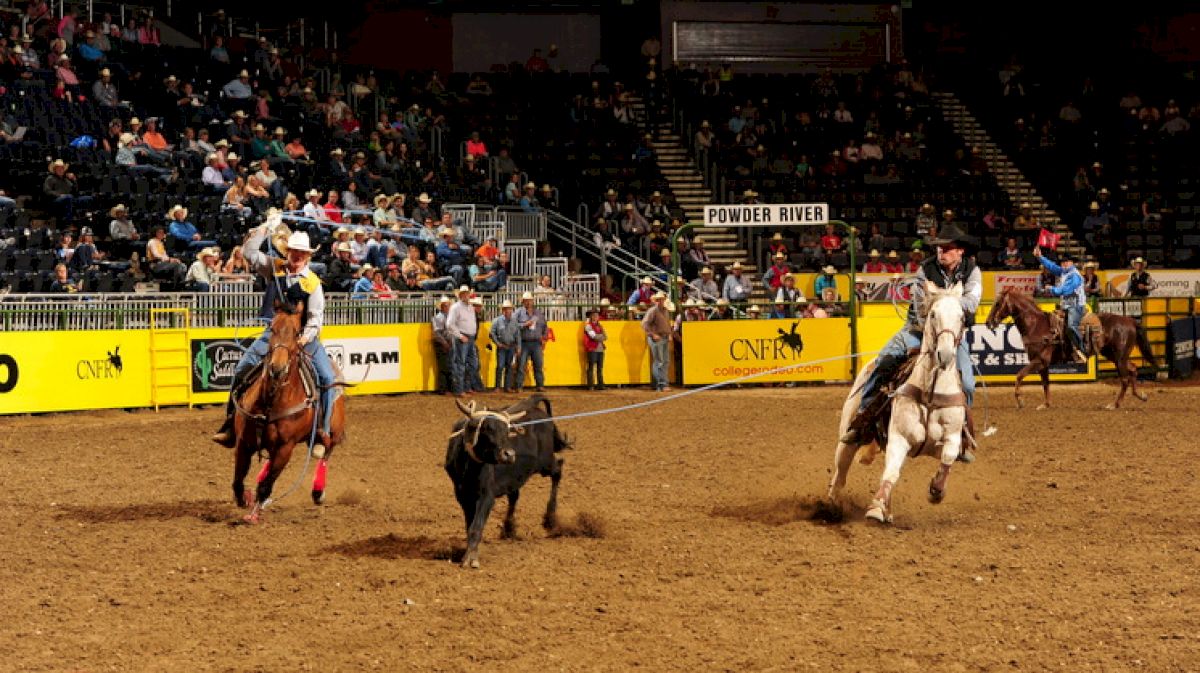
column 101, row 368
column 787, row 346
column 9, row 373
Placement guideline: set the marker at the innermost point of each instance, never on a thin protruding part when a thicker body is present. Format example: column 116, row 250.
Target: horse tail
column 1144, row 346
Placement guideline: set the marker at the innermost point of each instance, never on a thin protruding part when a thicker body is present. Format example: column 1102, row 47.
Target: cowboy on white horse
column 289, row 280
column 952, row 264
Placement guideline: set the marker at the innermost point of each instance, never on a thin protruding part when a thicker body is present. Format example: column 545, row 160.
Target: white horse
column 928, row 410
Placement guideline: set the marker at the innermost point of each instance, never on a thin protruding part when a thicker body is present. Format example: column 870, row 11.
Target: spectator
column 1140, row 282
column 774, row 275
column 831, row 242
column 722, row 311
column 644, row 294
column 738, row 287
column 1091, row 282
column 915, row 258
column 184, row 233
column 893, row 262
column 124, row 235
column 826, row 281
column 364, row 287
column 238, row 89
column 476, row 147
column 506, row 335
column 533, row 340
column 926, row 220
column 487, row 275
column 204, row 271
column 424, row 210
column 61, row 186
column 212, row 177
column 162, row 265
column 62, row 281
column 789, row 295
column 1010, row 257
column 874, row 263
column 657, row 326
column 705, row 287
column 777, row 244
column 754, row 312
column 237, row 265
column 697, row 256
column 104, row 92
column 452, row 257
column 594, row 339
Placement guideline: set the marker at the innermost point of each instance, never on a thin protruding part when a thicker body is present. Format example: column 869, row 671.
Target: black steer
column 487, row 457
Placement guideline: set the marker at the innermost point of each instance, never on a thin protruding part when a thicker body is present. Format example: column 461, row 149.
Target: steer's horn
column 515, row 417
column 467, row 409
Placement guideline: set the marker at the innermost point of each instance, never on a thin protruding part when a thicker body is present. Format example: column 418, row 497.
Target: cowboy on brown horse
column 289, row 281
column 1072, row 298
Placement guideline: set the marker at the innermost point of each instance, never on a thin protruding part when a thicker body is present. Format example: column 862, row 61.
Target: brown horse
column 275, row 413
column 1116, row 339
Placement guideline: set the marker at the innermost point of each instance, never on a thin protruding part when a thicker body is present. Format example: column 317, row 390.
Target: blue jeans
column 494, row 283
column 377, row 256
column 504, row 369
column 445, row 283
column 659, row 351
column 1074, row 315
column 530, row 350
column 895, row 352
column 474, row 379
column 321, row 365
column 460, row 360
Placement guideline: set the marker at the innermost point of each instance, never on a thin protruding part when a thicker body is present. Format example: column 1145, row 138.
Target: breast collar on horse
column 928, row 397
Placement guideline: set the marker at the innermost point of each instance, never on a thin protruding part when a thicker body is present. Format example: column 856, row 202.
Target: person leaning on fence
column 474, row 378
column 644, row 294
column 1140, row 282
column 287, row 280
column 826, row 280
column 953, row 264
column 441, row 345
column 1072, row 299
column 533, row 341
column 204, row 271
column 738, row 286
column 789, row 295
column 461, row 326
column 657, row 326
column 506, row 335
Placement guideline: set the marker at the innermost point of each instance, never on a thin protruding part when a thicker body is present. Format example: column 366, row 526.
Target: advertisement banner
column 213, row 362
column 373, row 359
column 720, row 350
column 1025, row 281
column 1181, row 347
column 998, row 354
column 65, row 371
column 1168, row 283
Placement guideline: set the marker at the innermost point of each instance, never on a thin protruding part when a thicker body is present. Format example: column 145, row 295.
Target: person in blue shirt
column 1072, row 298
column 826, row 280
column 184, row 232
column 363, row 286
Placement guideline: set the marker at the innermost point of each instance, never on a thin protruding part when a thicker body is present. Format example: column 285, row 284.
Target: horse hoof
column 472, row 563
column 318, row 497
column 1043, row 407
column 251, row 518
column 1142, row 396
column 877, row 515
column 1110, row 407
column 936, row 495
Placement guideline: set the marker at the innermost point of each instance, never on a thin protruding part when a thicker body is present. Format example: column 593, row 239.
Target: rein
column 272, row 388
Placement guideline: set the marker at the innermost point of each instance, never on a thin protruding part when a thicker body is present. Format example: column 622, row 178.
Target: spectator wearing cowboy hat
column 529, row 201
column 533, row 340
column 705, row 287
column 364, row 286
column 777, row 244
column 826, row 281
column 60, row 186
column 874, row 263
column 442, row 346
column 204, row 272
column 339, row 173
column 657, row 326
column 341, row 270
column 238, row 89
column 183, row 233
column 722, row 311
column 453, row 257
column 162, row 264
column 594, row 338
column 547, row 198
column 506, row 335
column 644, row 294
column 424, row 209
column 893, row 262
column 124, row 235
column 789, row 295
column 774, row 275
column 487, row 275
column 738, row 286
column 1091, row 281
column 260, row 146
column 1140, row 282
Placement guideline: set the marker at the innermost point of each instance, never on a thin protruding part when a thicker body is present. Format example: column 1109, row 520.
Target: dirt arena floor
column 1072, row 544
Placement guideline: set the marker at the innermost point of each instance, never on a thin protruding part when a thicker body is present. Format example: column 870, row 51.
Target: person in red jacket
column 593, row 343
column 874, row 263
column 893, row 263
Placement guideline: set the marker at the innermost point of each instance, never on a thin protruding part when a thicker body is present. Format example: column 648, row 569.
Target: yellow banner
column 720, row 350
column 626, row 357
column 63, row 371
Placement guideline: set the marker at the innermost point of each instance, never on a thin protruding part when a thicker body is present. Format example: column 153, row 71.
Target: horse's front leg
column 951, row 447
column 241, row 466
column 843, row 458
column 907, row 430
column 1025, row 371
column 1045, row 374
column 266, row 483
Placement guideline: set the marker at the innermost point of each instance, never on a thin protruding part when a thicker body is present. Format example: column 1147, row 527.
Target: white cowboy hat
column 341, row 230
column 299, row 241
column 424, row 198
column 463, row 289
column 105, row 72
column 754, row 309
column 359, row 231
column 777, row 237
column 209, row 252
column 365, row 268
column 337, row 151
column 311, row 193
column 126, row 138
column 647, row 281
column 56, row 163
column 780, row 255
column 874, row 253
column 442, row 300
column 1138, row 260
column 722, row 302
column 786, row 276
column 241, row 74
column 605, row 302
column 232, row 156
column 343, row 247
column 221, row 143
column 119, row 208
column 530, row 185
column 1090, row 265
column 260, row 127
column 240, row 114
column 892, row 254
column 381, row 199
column 706, row 271
column 177, row 209
column 506, row 304
column 829, row 269
column 737, row 266
column 659, row 295
column 527, row 296
column 476, row 301
column 280, row 131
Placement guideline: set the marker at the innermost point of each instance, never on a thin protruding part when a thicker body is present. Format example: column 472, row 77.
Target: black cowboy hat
column 953, row 234
column 1066, row 257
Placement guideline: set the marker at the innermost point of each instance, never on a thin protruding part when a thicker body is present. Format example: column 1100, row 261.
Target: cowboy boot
column 322, row 440
column 225, row 436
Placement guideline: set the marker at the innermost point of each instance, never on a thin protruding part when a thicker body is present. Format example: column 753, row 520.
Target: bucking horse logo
column 114, row 359
column 792, row 339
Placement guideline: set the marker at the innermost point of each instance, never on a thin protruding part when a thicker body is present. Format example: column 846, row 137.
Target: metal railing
column 631, row 267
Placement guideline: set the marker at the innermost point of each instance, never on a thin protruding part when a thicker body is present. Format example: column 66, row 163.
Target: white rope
column 693, row 391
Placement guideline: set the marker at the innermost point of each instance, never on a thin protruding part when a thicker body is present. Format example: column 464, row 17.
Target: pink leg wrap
column 319, row 476
column 262, row 474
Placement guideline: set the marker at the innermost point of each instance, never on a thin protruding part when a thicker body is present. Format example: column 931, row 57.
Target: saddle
column 1093, row 333
column 1063, row 351
column 872, row 422
column 308, row 378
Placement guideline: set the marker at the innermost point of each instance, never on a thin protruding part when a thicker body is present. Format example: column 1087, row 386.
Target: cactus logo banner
column 213, row 362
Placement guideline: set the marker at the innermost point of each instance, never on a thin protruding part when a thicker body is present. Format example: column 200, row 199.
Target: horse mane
column 1019, row 298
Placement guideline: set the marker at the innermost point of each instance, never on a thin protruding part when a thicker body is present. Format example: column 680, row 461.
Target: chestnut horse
column 1117, row 337
column 275, row 413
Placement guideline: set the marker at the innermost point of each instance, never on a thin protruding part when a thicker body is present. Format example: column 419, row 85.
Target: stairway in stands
column 688, row 190
column 1008, row 176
